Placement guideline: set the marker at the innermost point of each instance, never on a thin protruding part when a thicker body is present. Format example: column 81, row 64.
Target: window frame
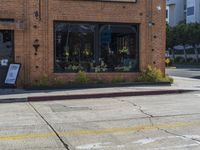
column 97, row 42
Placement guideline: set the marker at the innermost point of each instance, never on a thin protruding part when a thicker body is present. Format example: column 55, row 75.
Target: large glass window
column 74, row 47
column 6, row 52
column 96, row 47
column 119, row 47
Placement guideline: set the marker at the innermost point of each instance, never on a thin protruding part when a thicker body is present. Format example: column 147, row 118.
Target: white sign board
column 12, row 74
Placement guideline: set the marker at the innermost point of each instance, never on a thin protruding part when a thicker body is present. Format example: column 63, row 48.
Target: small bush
column 179, row 60
column 152, row 74
column 168, row 79
column 191, row 60
column 118, row 79
column 82, row 78
column 58, row 82
column 43, row 81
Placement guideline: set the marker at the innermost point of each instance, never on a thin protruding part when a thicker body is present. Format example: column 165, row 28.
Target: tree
column 171, row 42
column 181, row 36
column 194, row 37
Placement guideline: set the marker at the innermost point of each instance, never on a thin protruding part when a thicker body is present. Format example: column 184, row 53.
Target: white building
column 175, row 11
column 182, row 11
column 193, row 11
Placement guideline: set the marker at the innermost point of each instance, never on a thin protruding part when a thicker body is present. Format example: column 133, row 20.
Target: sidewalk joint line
column 56, row 133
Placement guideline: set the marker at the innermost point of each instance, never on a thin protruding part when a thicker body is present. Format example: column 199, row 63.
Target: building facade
column 57, row 38
column 193, row 11
column 178, row 11
column 175, row 11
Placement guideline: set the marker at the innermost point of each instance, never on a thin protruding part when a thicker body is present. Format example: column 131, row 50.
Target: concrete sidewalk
column 21, row 95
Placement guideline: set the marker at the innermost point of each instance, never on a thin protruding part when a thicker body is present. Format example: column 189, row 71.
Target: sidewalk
column 20, row 95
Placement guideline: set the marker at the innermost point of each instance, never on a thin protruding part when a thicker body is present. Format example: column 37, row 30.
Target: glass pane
column 119, row 48
column 6, row 48
column 74, row 47
column 190, row 11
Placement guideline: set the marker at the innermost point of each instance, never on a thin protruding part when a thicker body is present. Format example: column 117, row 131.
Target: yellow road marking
column 98, row 131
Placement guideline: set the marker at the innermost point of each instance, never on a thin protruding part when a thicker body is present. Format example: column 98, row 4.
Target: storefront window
column 94, row 47
column 119, row 47
column 74, row 47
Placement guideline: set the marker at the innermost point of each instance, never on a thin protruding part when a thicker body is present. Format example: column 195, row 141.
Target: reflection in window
column 74, row 47
column 190, row 11
column 6, row 46
column 94, row 47
column 118, row 47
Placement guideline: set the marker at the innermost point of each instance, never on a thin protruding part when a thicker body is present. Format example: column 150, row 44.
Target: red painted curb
column 104, row 95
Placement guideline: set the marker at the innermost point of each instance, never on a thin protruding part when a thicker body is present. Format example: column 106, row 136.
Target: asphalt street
column 184, row 72
column 166, row 122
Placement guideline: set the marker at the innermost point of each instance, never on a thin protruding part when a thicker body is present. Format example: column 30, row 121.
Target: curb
column 14, row 100
column 92, row 96
column 91, row 86
column 105, row 95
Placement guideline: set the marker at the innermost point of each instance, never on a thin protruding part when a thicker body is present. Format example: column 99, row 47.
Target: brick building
column 56, row 38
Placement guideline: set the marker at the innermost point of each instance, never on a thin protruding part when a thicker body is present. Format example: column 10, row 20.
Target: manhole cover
column 63, row 108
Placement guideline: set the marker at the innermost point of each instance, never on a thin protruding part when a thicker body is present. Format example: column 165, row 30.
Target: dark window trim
column 7, row 20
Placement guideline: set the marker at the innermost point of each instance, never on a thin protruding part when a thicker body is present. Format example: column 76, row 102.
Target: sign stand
column 12, row 74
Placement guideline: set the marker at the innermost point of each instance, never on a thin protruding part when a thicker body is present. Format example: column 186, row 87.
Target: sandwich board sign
column 12, row 74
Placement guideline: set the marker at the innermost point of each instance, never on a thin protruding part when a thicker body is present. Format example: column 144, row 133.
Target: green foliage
column 183, row 34
column 101, row 68
column 43, row 81
column 152, row 74
column 124, row 50
column 167, row 79
column 82, row 78
column 118, row 79
column 58, row 82
column 170, row 37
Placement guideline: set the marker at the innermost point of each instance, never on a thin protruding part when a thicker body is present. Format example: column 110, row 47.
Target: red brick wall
column 36, row 64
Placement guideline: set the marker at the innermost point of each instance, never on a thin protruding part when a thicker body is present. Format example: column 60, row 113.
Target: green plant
column 152, row 74
column 168, row 79
column 118, row 79
column 101, row 68
column 82, row 78
column 58, row 82
column 73, row 67
column 43, row 81
column 87, row 52
column 124, row 50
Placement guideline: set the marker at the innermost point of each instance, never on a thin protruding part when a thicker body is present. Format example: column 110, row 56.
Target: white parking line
column 146, row 141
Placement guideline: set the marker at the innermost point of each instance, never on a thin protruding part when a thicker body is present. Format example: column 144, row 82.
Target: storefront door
column 6, row 52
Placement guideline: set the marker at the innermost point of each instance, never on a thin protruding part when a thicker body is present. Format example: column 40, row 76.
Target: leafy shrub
column 167, row 79
column 179, row 60
column 118, row 79
column 58, row 82
column 82, row 78
column 191, row 60
column 43, row 81
column 152, row 74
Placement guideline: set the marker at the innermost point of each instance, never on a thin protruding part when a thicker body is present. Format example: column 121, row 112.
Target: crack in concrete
column 182, row 136
column 139, row 108
column 50, row 126
column 150, row 117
